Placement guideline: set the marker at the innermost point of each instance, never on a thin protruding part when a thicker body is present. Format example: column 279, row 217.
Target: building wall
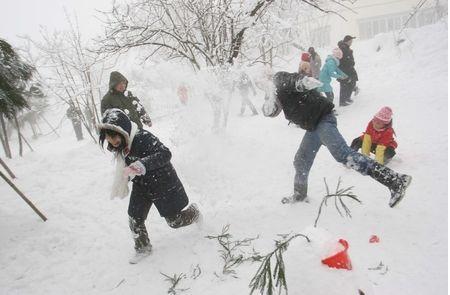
column 370, row 17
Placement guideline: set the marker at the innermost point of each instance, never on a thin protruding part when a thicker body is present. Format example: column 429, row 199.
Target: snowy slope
column 238, row 178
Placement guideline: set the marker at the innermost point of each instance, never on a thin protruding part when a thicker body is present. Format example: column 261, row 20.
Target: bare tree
column 72, row 71
column 204, row 32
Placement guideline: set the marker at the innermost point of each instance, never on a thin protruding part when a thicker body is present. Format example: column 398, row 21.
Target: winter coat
column 330, row 70
column 379, row 140
column 160, row 183
column 316, row 64
column 305, row 108
column 129, row 103
column 347, row 62
column 383, row 137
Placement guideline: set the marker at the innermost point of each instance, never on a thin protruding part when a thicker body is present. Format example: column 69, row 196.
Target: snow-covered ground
column 238, row 178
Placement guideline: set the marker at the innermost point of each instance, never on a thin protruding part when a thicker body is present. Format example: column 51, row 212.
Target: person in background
column 244, row 85
column 304, row 67
column 116, row 98
column 315, row 63
column 331, row 70
column 378, row 137
column 347, row 65
column 182, row 92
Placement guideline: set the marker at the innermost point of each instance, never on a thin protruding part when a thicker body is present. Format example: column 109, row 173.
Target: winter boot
column 397, row 183
column 141, row 241
column 186, row 217
column 300, row 195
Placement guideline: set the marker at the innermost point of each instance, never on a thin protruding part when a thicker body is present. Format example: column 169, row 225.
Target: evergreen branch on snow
column 196, row 272
column 231, row 251
column 338, row 196
column 263, row 281
column 174, row 281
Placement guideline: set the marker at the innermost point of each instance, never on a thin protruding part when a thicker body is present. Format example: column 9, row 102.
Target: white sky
column 24, row 17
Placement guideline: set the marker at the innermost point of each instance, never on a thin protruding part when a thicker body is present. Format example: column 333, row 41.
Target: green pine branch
column 231, row 251
column 267, row 280
column 174, row 281
column 337, row 196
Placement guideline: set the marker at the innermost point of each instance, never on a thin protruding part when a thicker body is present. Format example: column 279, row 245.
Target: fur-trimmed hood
column 117, row 120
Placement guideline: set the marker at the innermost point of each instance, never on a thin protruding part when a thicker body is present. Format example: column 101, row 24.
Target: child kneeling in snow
column 296, row 96
column 146, row 161
column 378, row 138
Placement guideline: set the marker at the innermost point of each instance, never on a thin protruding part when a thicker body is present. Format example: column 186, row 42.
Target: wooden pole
column 23, row 197
column 11, row 174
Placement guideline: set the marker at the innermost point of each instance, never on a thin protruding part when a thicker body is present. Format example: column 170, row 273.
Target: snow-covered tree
column 204, row 32
column 207, row 33
column 14, row 74
column 72, row 73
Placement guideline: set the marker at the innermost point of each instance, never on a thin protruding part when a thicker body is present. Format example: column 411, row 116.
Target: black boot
column 186, row 217
column 140, row 236
column 397, row 183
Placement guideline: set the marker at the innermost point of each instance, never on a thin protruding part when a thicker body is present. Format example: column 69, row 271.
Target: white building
column 366, row 18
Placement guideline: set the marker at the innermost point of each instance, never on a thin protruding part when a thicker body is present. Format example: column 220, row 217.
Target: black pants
column 389, row 153
column 168, row 205
column 346, row 91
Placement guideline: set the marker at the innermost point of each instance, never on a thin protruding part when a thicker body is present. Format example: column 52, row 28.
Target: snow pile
column 239, row 177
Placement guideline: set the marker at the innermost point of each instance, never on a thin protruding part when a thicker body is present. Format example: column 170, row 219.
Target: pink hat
column 337, row 53
column 384, row 115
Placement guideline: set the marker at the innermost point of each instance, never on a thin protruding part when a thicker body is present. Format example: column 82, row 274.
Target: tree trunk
column 5, row 141
column 2, row 140
column 11, row 174
column 271, row 56
column 26, row 141
column 19, row 135
column 95, row 117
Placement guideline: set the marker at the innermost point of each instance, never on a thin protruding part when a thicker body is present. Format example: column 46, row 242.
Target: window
column 369, row 27
column 390, row 24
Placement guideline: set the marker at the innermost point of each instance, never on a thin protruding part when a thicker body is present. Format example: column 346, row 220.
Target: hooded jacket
column 160, row 183
column 330, row 70
column 303, row 108
column 129, row 104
